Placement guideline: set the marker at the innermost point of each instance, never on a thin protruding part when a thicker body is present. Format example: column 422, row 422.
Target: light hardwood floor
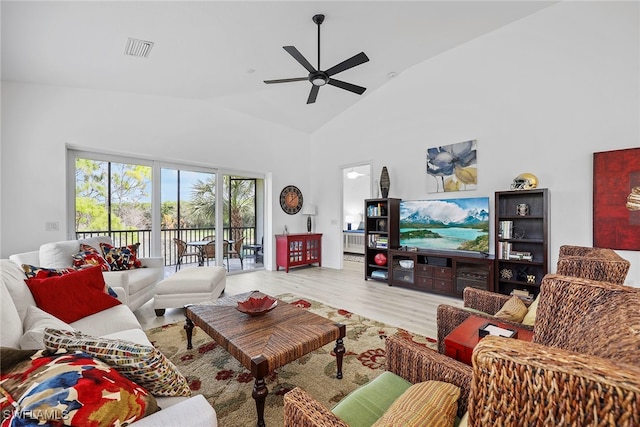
column 411, row 310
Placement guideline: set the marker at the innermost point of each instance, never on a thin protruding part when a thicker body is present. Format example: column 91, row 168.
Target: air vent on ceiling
column 140, row 48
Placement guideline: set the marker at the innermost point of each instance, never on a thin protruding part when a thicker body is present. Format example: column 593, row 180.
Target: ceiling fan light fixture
column 319, row 81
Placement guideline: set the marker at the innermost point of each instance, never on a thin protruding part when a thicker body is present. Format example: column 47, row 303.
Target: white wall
column 540, row 95
column 38, row 122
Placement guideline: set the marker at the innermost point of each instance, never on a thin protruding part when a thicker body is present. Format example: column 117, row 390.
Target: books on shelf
column 377, row 210
column 505, row 251
column 505, row 229
column 382, row 242
column 378, row 242
column 518, row 255
column 504, row 248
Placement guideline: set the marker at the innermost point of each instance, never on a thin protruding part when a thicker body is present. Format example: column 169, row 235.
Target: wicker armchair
column 407, row 359
column 592, row 263
column 582, row 368
column 584, row 262
column 588, row 374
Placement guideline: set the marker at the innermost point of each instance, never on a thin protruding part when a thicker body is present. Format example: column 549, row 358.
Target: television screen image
column 445, row 224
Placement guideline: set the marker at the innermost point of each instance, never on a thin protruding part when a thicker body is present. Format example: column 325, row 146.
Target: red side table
column 459, row 344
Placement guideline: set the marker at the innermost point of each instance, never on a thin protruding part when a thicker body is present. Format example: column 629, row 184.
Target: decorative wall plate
column 291, row 199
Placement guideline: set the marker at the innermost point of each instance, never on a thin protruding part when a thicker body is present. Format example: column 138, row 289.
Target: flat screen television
column 445, row 224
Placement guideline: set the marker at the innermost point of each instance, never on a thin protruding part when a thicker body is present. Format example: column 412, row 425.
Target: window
column 115, row 196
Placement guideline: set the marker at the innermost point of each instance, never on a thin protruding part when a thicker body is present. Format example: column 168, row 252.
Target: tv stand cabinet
column 442, row 272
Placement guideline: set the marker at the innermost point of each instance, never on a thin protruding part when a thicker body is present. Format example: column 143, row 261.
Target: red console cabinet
column 293, row 250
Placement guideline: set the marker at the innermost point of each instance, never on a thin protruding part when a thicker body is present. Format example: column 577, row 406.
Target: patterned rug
column 353, row 257
column 227, row 385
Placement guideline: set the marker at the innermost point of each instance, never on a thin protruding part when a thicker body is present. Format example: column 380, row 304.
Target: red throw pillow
column 72, row 296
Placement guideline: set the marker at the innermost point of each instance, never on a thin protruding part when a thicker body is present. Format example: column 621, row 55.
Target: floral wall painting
column 616, row 179
column 452, row 167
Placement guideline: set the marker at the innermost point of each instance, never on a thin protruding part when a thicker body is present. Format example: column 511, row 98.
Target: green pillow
column 364, row 406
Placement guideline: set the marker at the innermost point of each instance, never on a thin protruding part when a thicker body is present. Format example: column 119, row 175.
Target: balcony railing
column 130, row 237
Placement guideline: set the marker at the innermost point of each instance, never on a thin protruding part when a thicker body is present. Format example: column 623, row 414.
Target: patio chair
column 581, row 368
column 181, row 252
column 209, row 251
column 257, row 251
column 232, row 250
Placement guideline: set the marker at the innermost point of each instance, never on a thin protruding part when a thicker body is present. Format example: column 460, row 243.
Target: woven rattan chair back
column 596, row 318
column 600, row 264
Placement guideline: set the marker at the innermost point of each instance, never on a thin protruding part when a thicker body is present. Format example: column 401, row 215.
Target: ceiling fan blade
column 295, row 79
column 347, row 86
column 313, row 94
column 298, row 57
column 358, row 59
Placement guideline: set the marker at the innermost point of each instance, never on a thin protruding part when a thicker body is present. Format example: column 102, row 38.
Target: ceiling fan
column 317, row 77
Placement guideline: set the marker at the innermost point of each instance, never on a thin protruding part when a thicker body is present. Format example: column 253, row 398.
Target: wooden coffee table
column 459, row 344
column 266, row 342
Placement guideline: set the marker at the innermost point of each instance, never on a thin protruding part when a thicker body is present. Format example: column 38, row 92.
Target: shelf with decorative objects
column 521, row 241
column 381, row 233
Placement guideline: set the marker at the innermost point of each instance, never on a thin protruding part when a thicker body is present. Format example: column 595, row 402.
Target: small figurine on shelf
column 522, row 274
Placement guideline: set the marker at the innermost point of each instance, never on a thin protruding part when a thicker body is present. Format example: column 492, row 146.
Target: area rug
column 353, row 257
column 227, row 385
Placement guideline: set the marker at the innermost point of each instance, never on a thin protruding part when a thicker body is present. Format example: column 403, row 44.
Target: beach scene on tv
column 449, row 224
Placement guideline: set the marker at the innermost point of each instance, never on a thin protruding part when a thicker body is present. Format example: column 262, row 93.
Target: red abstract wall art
column 615, row 176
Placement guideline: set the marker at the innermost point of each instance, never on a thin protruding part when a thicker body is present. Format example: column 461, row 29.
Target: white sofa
column 23, row 326
column 134, row 287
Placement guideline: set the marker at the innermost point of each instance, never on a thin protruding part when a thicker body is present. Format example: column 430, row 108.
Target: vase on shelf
column 385, row 182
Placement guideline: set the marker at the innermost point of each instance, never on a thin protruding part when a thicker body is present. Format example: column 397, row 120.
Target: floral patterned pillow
column 145, row 365
column 89, row 256
column 71, row 389
column 123, row 258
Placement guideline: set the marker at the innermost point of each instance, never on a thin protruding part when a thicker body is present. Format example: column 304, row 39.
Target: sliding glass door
column 153, row 203
column 187, row 207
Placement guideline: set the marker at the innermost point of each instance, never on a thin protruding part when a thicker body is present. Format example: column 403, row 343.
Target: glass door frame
column 262, row 185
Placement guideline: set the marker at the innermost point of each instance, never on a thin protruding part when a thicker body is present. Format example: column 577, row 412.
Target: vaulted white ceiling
column 221, row 51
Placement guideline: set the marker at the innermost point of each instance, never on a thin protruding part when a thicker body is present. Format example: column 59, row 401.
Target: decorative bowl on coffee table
column 255, row 306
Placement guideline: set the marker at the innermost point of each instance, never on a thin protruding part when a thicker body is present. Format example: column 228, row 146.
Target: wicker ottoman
column 189, row 286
